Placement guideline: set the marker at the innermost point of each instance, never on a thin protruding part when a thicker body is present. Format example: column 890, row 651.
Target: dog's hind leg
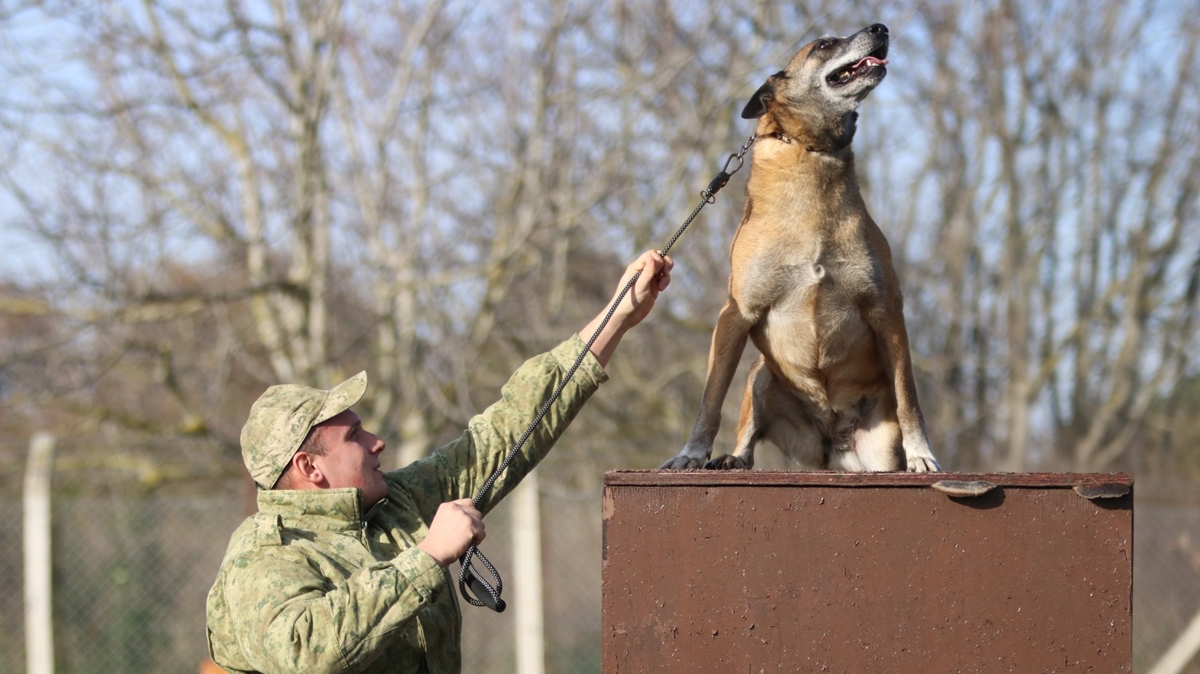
column 750, row 423
column 770, row 411
column 875, row 443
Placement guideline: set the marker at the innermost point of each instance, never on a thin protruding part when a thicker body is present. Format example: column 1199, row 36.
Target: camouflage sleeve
column 458, row 469
column 291, row 618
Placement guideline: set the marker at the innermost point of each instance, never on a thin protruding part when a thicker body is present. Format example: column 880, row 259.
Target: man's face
column 351, row 457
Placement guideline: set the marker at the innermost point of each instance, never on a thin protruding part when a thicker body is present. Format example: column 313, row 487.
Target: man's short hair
column 311, row 445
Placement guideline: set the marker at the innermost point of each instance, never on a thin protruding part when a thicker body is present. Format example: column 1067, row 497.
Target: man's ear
column 305, row 470
column 761, row 100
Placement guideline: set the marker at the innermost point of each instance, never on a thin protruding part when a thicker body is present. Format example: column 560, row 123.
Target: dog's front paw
column 693, row 456
column 923, row 464
column 728, row 462
column 683, row 462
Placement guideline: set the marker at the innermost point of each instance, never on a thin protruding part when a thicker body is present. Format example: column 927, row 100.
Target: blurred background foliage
column 199, row 200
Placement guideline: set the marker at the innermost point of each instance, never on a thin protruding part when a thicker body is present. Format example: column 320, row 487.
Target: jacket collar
column 329, row 509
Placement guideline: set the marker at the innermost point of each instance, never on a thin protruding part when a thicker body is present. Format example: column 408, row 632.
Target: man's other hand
column 455, row 526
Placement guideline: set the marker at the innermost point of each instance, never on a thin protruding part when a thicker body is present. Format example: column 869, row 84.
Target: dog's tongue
column 870, row 60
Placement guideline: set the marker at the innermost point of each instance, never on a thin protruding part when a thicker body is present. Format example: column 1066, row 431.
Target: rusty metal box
column 757, row 571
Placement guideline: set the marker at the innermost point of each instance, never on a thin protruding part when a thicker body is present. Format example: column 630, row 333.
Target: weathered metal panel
column 833, row 572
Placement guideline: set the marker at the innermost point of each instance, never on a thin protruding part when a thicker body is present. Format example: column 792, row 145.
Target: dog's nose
column 877, row 29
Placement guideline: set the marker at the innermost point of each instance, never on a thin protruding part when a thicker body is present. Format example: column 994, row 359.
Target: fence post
column 527, row 577
column 39, row 628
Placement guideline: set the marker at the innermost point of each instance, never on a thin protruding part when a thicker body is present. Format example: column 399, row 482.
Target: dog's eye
column 824, row 44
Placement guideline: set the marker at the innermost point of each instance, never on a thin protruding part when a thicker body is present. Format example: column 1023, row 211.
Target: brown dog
column 813, row 286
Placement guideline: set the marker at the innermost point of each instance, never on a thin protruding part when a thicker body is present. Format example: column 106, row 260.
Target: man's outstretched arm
column 655, row 276
column 458, row 469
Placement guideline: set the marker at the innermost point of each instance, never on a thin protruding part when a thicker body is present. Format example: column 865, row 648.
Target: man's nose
column 379, row 445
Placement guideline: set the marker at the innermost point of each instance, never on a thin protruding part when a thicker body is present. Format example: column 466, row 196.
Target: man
column 344, row 567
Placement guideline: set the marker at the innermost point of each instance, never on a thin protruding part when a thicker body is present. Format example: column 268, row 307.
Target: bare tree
column 1056, row 181
column 242, row 194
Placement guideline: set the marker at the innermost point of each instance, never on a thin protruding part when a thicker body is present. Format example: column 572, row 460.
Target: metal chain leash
column 487, row 593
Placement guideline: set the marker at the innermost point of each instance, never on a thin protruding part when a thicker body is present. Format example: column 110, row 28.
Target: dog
column 812, row 285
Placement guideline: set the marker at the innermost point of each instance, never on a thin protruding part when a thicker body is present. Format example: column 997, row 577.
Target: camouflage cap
column 281, row 418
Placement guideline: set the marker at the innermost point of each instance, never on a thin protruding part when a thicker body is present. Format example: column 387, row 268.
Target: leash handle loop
column 483, row 593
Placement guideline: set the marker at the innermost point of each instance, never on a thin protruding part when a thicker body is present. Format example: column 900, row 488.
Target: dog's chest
column 812, row 309
column 819, row 285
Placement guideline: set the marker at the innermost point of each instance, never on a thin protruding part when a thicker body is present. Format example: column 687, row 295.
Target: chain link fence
column 132, row 569
column 12, row 582
column 1166, row 568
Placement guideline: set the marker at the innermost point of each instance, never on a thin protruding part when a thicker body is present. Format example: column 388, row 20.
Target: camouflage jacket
column 311, row 583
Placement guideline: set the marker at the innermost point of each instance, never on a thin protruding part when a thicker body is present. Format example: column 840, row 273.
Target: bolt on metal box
column 757, row 571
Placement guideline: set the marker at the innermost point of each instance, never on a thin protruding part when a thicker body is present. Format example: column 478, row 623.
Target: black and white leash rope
column 487, row 593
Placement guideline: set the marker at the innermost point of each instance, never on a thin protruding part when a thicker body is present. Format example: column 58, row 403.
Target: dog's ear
column 757, row 106
column 761, row 100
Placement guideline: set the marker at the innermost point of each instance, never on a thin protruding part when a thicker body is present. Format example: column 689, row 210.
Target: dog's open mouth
column 847, row 74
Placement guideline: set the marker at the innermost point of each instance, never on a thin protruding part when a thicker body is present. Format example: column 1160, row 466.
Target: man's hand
column 455, row 526
column 655, row 277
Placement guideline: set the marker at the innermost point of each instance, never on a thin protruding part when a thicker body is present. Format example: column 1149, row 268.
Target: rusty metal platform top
column 780, row 478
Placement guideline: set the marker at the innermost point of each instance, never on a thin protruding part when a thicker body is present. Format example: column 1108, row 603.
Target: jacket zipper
column 362, row 531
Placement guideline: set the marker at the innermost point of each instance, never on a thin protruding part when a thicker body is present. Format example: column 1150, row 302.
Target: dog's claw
column 923, row 464
column 683, row 462
column 727, row 462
